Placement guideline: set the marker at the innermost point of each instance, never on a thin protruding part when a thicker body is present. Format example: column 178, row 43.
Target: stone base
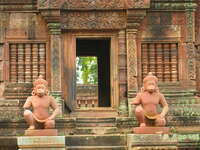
column 41, row 143
column 42, row 132
column 152, row 142
column 151, row 130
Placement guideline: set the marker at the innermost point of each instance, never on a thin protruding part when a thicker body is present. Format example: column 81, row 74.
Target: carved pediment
column 93, row 4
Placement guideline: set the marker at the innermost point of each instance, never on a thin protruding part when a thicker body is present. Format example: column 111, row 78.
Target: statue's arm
column 28, row 103
column 137, row 100
column 164, row 104
column 55, row 108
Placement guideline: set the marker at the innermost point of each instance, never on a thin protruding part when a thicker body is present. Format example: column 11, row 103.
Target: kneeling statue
column 147, row 101
column 40, row 102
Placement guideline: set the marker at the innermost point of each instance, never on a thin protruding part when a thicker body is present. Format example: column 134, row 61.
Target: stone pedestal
column 152, row 142
column 41, row 143
column 151, row 130
column 43, row 132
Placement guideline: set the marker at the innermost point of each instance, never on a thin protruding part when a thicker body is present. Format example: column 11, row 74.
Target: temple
column 129, row 38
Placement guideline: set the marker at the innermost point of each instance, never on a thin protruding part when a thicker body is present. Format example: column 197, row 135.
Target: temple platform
column 151, row 130
column 42, row 132
column 41, row 142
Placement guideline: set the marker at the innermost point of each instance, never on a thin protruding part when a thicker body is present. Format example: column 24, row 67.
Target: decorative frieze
column 93, row 20
column 94, row 4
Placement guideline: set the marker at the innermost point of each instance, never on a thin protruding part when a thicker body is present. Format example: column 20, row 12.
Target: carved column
column 190, row 39
column 134, row 18
column 55, row 50
column 131, row 61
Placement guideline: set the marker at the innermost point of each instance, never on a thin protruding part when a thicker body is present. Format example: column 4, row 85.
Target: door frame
column 69, row 65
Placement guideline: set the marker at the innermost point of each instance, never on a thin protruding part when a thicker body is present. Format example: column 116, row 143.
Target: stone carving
column 93, row 4
column 146, row 103
column 40, row 102
column 138, row 3
column 105, row 4
column 49, row 3
column 191, row 60
column 131, row 60
column 43, row 3
column 93, row 20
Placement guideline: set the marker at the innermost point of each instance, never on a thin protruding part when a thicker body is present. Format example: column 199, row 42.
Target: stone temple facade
column 129, row 37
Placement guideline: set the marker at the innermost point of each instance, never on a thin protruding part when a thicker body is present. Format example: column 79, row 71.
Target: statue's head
column 150, row 83
column 40, row 87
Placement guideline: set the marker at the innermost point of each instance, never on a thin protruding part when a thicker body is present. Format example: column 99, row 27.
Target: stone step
column 95, row 140
column 95, row 112
column 96, row 130
column 97, row 148
column 96, row 122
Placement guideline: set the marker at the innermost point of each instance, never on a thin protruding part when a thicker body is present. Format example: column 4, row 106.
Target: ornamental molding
column 173, row 5
column 93, row 4
column 93, row 20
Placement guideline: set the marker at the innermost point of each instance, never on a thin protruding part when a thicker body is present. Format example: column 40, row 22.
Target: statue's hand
column 162, row 115
column 51, row 118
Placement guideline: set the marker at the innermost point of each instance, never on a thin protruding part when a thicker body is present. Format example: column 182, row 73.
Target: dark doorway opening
column 99, row 48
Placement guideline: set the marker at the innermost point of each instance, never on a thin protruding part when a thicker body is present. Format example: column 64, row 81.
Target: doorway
column 95, row 85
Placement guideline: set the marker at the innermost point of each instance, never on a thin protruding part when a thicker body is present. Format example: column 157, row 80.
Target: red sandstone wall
column 18, row 27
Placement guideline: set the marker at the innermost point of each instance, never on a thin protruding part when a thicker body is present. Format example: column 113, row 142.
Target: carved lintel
column 104, row 4
column 93, row 20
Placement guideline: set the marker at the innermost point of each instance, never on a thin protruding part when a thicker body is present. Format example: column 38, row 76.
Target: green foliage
column 87, row 70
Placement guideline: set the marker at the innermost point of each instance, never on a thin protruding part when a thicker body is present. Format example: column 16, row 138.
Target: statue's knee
column 49, row 124
column 27, row 113
column 138, row 109
column 160, row 122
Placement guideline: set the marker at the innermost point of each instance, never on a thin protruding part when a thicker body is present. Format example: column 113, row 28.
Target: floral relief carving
column 131, row 60
column 49, row 3
column 93, row 20
column 138, row 3
column 93, row 4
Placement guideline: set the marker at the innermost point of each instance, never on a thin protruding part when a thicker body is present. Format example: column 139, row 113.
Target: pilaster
column 134, row 18
column 190, row 40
